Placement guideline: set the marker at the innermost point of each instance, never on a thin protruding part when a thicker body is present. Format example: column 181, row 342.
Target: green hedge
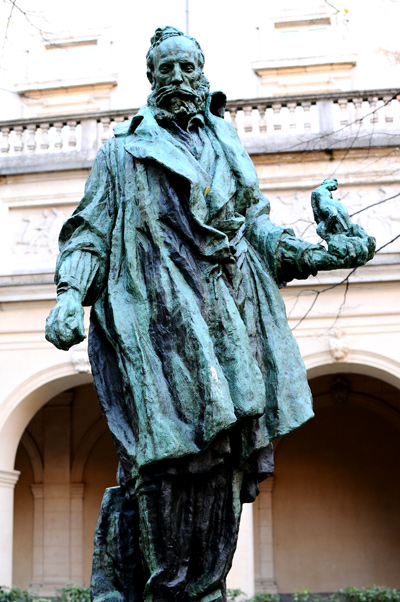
column 69, row 593
column 77, row 593
column 348, row 594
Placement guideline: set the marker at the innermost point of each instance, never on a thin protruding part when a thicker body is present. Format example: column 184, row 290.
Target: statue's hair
column 161, row 34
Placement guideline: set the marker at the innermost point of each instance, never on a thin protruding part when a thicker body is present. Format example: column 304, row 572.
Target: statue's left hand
column 351, row 251
column 64, row 325
column 344, row 252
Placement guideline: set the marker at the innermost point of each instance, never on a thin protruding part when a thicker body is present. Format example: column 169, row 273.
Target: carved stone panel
column 34, row 235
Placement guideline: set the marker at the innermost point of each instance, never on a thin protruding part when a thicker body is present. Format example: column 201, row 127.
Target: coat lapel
column 150, row 141
column 241, row 165
column 145, row 139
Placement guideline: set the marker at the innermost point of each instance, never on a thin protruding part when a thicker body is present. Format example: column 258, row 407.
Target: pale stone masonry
column 329, row 517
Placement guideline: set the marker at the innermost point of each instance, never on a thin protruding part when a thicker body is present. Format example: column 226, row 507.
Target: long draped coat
column 181, row 263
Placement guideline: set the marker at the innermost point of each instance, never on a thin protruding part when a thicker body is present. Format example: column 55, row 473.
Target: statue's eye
column 188, row 67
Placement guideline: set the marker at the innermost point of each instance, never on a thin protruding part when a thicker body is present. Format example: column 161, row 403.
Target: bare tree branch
column 387, row 244
column 318, row 293
column 374, row 204
column 345, row 281
column 334, row 7
column 6, row 31
column 355, row 135
column 25, row 14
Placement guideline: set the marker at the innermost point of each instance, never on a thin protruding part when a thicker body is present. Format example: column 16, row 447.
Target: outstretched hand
column 344, row 251
column 64, row 325
column 351, row 251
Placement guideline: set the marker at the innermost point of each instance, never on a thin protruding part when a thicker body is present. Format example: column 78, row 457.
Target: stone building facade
column 316, row 99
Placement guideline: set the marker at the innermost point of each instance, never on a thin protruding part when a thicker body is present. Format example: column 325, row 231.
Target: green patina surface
column 182, row 268
column 172, row 245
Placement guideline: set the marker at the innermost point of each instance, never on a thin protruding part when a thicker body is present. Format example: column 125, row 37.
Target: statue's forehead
column 174, row 47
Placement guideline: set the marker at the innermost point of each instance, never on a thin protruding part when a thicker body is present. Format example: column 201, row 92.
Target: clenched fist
column 64, row 325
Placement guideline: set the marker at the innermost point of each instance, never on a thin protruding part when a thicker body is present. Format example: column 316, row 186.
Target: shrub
column 69, row 593
column 14, row 594
column 78, row 593
column 265, row 597
column 73, row 593
column 348, row 594
column 370, row 594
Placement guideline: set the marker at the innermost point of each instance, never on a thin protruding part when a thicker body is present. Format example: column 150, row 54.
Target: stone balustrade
column 59, row 134
column 323, row 113
column 307, row 116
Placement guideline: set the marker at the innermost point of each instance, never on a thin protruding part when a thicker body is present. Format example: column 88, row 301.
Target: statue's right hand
column 64, row 325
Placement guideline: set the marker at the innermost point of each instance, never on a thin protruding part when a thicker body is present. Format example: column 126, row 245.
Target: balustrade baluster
column 18, row 144
column 31, row 138
column 248, row 122
column 5, row 140
column 373, row 102
column 233, row 114
column 44, row 138
column 277, row 107
column 357, row 102
column 292, row 116
column 306, row 115
column 58, row 144
column 106, row 132
column 116, row 121
column 262, row 123
column 72, row 133
column 344, row 113
column 388, row 109
column 396, row 107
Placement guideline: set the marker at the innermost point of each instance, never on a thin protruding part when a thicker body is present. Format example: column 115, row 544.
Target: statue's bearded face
column 179, row 85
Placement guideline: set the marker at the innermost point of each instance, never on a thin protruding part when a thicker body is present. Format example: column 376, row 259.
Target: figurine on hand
column 349, row 242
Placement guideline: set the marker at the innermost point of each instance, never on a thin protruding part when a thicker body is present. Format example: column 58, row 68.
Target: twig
column 374, row 204
column 345, row 281
column 6, row 31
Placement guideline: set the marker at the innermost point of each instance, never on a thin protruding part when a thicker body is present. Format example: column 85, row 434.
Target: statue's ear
column 150, row 76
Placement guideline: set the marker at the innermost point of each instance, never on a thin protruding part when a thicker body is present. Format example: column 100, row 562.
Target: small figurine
column 331, row 215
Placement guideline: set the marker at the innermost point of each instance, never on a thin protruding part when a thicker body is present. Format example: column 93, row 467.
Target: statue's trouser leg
column 189, row 525
column 117, row 573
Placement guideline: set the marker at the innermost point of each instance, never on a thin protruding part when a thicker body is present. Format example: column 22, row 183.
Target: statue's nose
column 177, row 75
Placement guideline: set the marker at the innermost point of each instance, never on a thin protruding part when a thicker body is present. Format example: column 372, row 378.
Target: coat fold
column 189, row 336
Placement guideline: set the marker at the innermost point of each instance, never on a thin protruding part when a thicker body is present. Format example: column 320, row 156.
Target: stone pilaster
column 38, row 543
column 265, row 581
column 241, row 575
column 8, row 479
column 76, row 530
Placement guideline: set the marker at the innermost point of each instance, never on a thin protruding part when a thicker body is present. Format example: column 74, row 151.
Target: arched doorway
column 66, row 459
column 336, row 492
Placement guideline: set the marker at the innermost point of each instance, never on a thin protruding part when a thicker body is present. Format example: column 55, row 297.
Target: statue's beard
column 178, row 103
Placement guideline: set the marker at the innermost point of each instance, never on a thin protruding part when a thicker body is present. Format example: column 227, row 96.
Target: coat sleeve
column 286, row 257
column 85, row 237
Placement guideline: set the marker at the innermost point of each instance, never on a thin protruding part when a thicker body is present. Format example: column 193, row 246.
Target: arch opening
column 66, row 459
column 22, row 405
column 336, row 489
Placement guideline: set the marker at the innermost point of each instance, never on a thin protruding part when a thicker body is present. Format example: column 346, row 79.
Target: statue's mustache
column 166, row 92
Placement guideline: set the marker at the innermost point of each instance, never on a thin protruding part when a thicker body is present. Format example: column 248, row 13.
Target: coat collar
column 146, row 139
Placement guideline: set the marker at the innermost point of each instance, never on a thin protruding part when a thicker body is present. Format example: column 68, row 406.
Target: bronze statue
column 195, row 367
